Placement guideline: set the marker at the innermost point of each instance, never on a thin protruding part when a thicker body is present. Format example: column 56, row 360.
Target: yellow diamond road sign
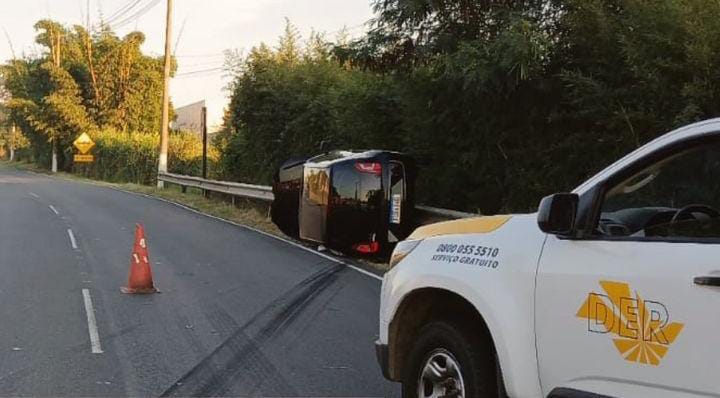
column 84, row 143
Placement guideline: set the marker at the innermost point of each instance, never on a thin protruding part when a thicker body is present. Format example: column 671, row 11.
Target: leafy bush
column 133, row 157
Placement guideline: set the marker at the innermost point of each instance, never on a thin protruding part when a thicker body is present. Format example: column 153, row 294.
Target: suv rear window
column 317, row 186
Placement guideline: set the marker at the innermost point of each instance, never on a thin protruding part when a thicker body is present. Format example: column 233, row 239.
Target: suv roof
column 333, row 157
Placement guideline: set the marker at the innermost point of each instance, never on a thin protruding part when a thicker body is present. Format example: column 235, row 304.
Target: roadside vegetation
column 502, row 102
column 133, row 157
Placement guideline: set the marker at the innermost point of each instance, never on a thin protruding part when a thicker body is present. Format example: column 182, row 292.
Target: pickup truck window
column 677, row 197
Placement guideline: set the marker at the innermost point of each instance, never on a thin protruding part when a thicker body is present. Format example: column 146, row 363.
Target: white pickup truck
column 612, row 290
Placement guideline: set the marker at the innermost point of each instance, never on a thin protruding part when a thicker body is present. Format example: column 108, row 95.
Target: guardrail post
column 183, row 188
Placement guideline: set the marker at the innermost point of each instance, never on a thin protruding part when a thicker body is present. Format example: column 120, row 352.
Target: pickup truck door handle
column 707, row 280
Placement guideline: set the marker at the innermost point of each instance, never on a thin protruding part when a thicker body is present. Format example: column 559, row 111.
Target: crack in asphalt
column 239, row 359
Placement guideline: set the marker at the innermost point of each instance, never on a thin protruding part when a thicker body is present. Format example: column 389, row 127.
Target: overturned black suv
column 359, row 202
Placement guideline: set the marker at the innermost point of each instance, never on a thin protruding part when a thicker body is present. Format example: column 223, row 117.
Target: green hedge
column 133, row 157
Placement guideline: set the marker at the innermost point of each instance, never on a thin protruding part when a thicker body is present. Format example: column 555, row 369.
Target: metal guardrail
column 264, row 193
column 259, row 192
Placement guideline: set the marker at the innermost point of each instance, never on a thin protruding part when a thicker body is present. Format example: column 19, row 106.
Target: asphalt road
column 240, row 313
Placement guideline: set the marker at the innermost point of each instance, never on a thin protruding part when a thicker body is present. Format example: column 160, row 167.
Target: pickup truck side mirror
column 556, row 214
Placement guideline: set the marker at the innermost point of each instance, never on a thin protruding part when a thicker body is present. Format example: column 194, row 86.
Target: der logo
column 642, row 329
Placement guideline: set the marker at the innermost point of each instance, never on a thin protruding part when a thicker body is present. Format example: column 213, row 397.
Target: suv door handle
column 707, row 280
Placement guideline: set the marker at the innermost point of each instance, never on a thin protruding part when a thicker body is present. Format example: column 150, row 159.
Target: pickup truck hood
column 476, row 225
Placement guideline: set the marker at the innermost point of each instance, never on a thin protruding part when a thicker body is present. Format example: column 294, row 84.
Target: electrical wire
column 136, row 16
column 179, row 37
column 219, row 68
column 202, row 64
column 122, row 11
column 202, row 72
column 200, row 55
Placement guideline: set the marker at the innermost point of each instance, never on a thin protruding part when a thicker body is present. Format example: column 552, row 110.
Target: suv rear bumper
column 381, row 351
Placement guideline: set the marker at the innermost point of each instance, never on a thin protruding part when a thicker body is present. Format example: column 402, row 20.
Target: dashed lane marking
column 95, row 346
column 73, row 242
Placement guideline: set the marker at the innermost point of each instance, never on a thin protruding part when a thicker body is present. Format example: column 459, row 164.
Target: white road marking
column 54, row 210
column 92, row 323
column 34, row 195
column 73, row 242
column 333, row 259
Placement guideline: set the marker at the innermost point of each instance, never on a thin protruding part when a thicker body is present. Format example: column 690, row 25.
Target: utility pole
column 203, row 128
column 12, row 142
column 164, row 133
column 56, row 39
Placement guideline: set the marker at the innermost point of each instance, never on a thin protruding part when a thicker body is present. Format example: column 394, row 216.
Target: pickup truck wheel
column 446, row 361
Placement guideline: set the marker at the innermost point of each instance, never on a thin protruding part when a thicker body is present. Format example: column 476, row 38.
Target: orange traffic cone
column 141, row 280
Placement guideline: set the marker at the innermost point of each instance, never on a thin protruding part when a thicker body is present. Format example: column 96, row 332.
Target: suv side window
column 677, row 197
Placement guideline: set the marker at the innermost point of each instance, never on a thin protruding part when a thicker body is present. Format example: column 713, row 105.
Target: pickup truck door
column 634, row 311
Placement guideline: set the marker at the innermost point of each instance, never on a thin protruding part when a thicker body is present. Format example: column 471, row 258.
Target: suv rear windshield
column 317, row 186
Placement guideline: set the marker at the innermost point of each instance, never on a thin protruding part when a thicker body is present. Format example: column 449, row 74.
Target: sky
column 202, row 30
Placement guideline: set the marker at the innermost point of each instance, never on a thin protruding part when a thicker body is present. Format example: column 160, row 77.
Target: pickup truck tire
column 465, row 363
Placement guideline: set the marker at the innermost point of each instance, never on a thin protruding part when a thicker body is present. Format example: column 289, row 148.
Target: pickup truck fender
column 502, row 290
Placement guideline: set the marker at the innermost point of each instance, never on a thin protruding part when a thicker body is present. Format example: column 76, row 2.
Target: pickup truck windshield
column 676, row 197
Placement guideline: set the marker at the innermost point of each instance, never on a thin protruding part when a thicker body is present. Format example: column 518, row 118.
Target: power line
column 182, row 30
column 195, row 72
column 134, row 17
column 115, row 16
column 82, row 12
column 137, row 15
column 203, row 64
column 122, row 11
column 200, row 55
column 208, row 72
column 12, row 49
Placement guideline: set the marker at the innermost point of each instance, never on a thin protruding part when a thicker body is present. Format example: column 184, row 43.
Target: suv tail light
column 367, row 248
column 369, row 167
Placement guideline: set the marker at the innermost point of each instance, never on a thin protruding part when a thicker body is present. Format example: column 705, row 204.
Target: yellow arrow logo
column 641, row 329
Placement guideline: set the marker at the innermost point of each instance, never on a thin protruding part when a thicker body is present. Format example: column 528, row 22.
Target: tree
column 10, row 137
column 407, row 33
column 82, row 83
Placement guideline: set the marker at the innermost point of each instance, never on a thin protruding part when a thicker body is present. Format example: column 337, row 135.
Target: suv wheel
column 446, row 361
